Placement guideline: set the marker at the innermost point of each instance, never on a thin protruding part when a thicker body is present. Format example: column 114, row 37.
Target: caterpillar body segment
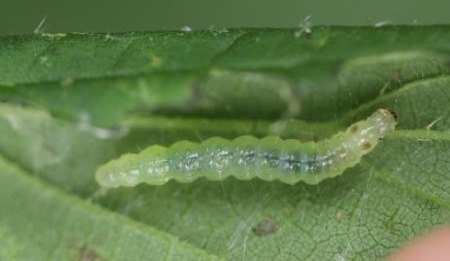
column 247, row 157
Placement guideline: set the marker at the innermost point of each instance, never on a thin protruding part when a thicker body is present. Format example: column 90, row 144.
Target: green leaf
column 40, row 222
column 72, row 102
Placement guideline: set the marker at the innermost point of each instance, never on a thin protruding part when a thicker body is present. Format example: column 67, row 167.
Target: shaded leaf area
column 422, row 104
column 218, row 73
column 252, row 82
column 43, row 223
column 57, row 150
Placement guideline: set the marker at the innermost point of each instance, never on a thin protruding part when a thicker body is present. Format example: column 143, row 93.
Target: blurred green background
column 19, row 17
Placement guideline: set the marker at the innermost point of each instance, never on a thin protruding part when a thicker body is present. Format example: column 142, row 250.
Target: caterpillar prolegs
column 246, row 157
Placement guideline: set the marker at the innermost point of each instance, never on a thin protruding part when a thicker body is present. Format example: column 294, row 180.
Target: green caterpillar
column 246, row 157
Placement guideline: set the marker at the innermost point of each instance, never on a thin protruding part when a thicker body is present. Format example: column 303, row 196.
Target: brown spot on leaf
column 87, row 254
column 397, row 76
column 265, row 227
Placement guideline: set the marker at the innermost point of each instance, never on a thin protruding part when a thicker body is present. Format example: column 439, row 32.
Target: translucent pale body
column 246, row 157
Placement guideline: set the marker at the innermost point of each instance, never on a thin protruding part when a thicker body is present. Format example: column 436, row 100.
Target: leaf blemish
column 155, row 60
column 339, row 215
column 265, row 227
column 87, row 254
column 67, row 82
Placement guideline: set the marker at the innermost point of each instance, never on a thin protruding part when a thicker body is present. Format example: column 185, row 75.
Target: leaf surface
column 72, row 102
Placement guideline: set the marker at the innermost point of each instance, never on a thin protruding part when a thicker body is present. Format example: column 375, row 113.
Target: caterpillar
column 246, row 157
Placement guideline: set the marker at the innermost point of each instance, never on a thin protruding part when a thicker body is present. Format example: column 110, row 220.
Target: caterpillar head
column 367, row 133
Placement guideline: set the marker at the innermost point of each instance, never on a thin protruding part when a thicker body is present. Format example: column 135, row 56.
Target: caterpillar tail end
column 150, row 166
column 109, row 176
